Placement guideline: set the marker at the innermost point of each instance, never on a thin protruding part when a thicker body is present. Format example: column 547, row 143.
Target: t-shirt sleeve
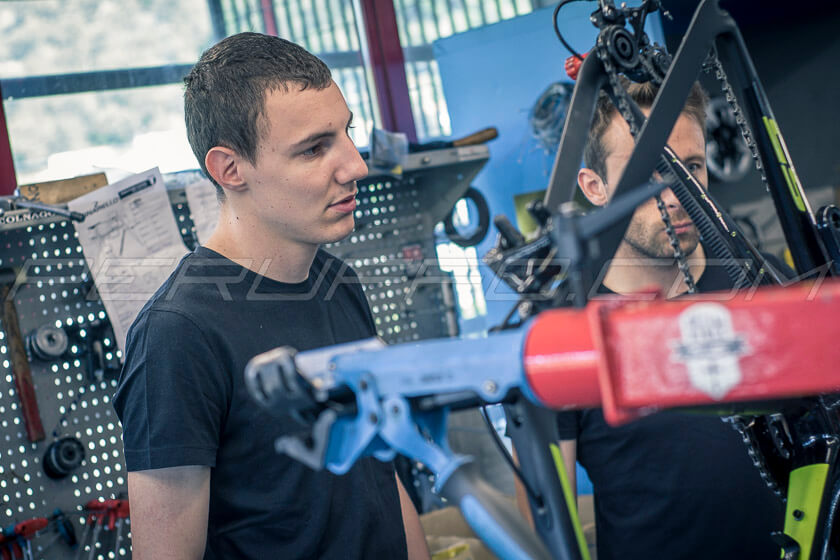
column 568, row 425
column 172, row 395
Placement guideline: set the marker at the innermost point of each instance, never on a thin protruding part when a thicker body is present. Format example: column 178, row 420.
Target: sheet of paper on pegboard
column 131, row 243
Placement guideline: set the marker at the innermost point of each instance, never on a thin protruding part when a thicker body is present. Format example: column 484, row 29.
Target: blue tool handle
column 492, row 516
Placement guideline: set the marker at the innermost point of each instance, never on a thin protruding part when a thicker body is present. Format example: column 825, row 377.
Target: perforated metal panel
column 53, row 287
column 393, row 246
column 392, row 242
column 392, row 250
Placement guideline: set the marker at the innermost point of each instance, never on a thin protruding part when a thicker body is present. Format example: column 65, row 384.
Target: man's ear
column 593, row 187
column 224, row 165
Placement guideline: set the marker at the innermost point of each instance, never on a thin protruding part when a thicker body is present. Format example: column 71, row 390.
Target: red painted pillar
column 388, row 66
column 8, row 180
column 269, row 17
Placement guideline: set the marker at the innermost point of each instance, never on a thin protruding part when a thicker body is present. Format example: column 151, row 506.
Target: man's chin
column 688, row 248
column 689, row 243
column 340, row 232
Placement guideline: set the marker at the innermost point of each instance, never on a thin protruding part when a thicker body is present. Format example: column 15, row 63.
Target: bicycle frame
column 813, row 488
column 710, row 28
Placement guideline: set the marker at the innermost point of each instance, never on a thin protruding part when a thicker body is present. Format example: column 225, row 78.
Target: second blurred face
column 646, row 234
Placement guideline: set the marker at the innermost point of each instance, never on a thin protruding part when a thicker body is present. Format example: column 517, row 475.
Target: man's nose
column 352, row 167
column 670, row 199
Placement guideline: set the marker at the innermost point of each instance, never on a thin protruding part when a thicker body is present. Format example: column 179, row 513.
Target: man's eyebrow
column 695, row 157
column 315, row 136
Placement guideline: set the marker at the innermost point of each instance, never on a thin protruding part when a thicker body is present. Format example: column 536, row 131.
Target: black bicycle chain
column 756, row 456
column 737, row 422
column 679, row 256
column 713, row 64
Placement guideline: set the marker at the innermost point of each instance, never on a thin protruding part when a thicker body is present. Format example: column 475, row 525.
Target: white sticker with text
column 710, row 348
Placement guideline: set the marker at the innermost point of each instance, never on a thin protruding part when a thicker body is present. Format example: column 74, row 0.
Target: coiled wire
column 548, row 115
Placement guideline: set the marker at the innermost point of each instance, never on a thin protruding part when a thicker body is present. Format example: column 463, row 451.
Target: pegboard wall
column 73, row 393
column 392, row 250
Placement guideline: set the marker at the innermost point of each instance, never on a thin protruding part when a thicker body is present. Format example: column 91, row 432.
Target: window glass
column 420, row 23
column 100, row 50
column 59, row 136
column 329, row 28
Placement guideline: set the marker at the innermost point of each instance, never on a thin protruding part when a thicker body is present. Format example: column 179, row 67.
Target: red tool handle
column 95, row 505
column 113, row 509
column 99, row 505
column 28, row 528
column 123, row 510
column 20, row 368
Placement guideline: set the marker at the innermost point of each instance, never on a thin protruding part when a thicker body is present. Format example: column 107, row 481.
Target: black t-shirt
column 182, row 401
column 675, row 485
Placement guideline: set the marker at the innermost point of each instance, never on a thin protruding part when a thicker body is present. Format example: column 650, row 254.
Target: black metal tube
column 795, row 216
column 532, row 430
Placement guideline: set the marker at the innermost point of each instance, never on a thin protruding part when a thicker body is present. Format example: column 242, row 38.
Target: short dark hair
column 595, row 154
column 224, row 99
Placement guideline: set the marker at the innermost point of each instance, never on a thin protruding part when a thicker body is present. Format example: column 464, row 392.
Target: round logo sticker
column 710, row 348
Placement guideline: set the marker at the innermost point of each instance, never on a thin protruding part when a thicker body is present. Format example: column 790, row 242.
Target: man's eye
column 313, row 151
column 695, row 167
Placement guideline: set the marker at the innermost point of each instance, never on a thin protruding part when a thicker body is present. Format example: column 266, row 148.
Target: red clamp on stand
column 122, row 510
column 633, row 356
column 96, row 511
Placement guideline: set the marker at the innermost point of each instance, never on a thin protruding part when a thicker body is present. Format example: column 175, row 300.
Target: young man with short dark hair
column 670, row 485
column 270, row 128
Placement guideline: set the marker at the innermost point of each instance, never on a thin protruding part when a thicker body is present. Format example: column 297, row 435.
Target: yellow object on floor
column 450, row 537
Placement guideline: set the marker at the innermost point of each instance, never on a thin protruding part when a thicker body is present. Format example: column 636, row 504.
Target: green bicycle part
column 805, row 494
column 569, row 496
column 790, row 176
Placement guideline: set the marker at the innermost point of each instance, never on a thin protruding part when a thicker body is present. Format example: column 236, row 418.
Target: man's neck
column 256, row 248
column 632, row 272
